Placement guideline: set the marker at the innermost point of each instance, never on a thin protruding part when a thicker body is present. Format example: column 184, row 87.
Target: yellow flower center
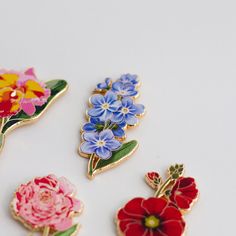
column 152, row 222
column 125, row 110
column 105, row 106
column 100, row 143
column 122, row 92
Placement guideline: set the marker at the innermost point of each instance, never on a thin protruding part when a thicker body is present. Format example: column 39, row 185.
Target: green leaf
column 175, row 176
column 117, row 156
column 56, row 86
column 71, row 231
column 2, row 139
column 176, row 171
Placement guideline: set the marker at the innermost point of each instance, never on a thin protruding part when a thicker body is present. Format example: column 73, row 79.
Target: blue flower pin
column 112, row 110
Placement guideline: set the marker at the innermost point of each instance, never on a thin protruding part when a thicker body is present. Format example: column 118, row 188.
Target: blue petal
column 102, row 85
column 106, row 115
column 90, row 137
column 106, row 135
column 89, row 127
column 118, row 132
column 132, row 93
column 131, row 119
column 129, row 78
column 103, row 153
column 117, row 117
column 128, row 87
column 115, row 106
column 108, row 81
column 97, row 99
column 122, row 124
column 95, row 112
column 113, row 144
column 139, row 109
column 117, row 86
column 110, row 97
column 94, row 120
column 87, row 148
column 127, row 102
column 132, row 109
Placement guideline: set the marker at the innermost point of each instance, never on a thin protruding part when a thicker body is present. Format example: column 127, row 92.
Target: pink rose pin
column 48, row 205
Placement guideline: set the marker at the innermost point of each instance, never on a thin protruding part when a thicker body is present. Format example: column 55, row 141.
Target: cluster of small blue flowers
column 113, row 110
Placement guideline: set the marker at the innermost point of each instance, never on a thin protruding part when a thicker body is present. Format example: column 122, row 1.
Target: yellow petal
column 33, row 89
column 8, row 80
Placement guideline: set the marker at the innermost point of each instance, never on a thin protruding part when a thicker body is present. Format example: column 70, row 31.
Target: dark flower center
column 151, row 222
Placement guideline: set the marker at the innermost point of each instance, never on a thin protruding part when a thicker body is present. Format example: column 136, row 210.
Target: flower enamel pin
column 112, row 110
column 161, row 215
column 47, row 205
column 24, row 98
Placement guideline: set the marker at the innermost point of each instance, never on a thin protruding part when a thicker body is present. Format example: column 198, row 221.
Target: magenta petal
column 28, row 108
column 30, row 71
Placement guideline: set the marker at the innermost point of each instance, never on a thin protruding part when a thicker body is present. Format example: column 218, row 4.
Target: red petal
column 159, row 233
column 172, row 228
column 122, row 215
column 182, row 202
column 171, row 213
column 184, row 192
column 125, row 220
column 154, row 205
column 136, row 230
column 124, row 225
column 134, row 208
column 186, row 181
column 190, row 192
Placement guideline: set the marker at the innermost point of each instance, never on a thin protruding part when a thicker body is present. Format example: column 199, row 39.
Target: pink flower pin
column 47, row 204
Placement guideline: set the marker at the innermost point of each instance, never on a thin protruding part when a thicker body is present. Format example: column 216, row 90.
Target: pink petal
column 77, row 205
column 63, row 225
column 30, row 71
column 66, row 187
column 28, row 108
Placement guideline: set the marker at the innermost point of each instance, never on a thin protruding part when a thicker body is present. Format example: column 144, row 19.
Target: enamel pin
column 48, row 205
column 161, row 215
column 112, row 111
column 24, row 98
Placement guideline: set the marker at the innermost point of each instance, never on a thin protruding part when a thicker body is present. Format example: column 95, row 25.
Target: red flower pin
column 160, row 215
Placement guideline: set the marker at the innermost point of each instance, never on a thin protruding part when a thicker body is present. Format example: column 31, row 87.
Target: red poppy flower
column 184, row 192
column 150, row 217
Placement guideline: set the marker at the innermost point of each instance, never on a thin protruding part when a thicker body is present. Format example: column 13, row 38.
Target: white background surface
column 185, row 54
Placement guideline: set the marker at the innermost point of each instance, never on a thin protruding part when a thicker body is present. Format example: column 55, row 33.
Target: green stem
column 112, row 126
column 106, row 125
column 91, row 159
column 2, row 122
column 46, row 231
column 159, row 192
